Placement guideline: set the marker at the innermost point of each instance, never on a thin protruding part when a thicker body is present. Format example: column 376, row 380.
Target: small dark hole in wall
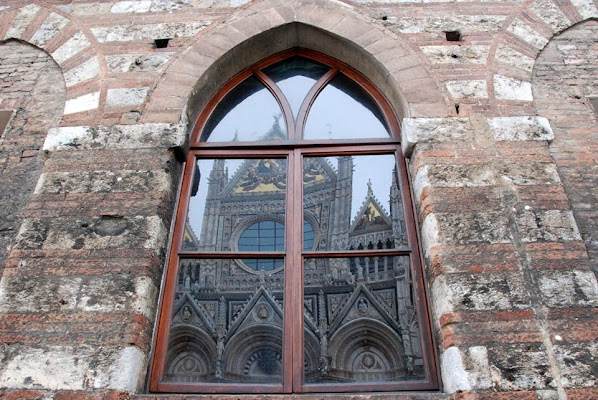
column 161, row 43
column 457, row 108
column 4, row 118
column 453, row 36
column 384, row 17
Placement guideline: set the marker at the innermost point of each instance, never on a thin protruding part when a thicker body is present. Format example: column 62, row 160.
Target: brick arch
column 271, row 26
column 565, row 93
column 525, row 34
column 73, row 48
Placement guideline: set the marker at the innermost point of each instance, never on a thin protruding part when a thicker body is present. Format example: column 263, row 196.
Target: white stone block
column 586, row 8
column 131, row 7
column 126, row 96
column 465, row 370
column 456, row 54
column 416, row 130
column 127, row 371
column 514, row 58
column 87, row 70
column 506, row 88
column 137, row 62
column 468, row 89
column 73, row 46
column 429, row 233
column 520, row 128
column 82, row 103
column 115, row 137
column 527, row 34
column 551, row 14
column 21, row 21
column 51, row 26
column 56, row 368
column 169, row 5
column 123, row 33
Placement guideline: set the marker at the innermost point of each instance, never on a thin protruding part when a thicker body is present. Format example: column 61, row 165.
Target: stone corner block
column 465, row 369
column 73, row 368
column 521, row 128
column 431, row 130
column 152, row 135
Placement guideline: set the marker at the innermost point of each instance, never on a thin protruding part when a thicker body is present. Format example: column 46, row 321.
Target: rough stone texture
column 33, row 86
column 116, row 137
column 506, row 201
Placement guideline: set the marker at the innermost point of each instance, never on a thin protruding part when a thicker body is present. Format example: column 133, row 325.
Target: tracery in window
column 295, row 265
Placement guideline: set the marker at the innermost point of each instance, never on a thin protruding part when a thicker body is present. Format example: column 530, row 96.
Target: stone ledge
column 115, row 137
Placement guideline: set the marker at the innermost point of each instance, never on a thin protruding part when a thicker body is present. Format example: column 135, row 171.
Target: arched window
column 294, row 265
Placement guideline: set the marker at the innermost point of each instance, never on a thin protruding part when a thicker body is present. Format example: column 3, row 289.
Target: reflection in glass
column 360, row 323
column 295, row 76
column 226, row 324
column 356, row 202
column 232, row 201
column 343, row 110
column 248, row 113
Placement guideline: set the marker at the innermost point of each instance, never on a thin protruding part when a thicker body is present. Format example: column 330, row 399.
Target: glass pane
column 295, row 76
column 343, row 110
column 226, row 325
column 237, row 205
column 248, row 113
column 360, row 323
column 354, row 203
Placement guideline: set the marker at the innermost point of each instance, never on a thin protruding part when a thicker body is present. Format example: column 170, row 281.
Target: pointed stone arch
column 272, row 26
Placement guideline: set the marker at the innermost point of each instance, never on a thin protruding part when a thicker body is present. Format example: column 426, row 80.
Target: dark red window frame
column 293, row 149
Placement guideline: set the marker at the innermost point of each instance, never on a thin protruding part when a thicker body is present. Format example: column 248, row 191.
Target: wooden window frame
column 293, row 150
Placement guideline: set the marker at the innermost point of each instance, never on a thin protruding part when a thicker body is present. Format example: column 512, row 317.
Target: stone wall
column 497, row 126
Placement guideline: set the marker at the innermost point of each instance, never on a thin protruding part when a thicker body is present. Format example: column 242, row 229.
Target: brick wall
column 501, row 155
column 31, row 86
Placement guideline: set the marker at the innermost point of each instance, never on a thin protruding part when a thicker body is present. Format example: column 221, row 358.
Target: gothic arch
column 268, row 27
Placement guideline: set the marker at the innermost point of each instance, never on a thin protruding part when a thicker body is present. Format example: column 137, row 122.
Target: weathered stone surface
column 495, row 291
column 103, row 181
column 82, row 103
column 21, row 21
column 137, row 62
column 507, row 55
column 148, row 32
column 551, row 15
column 578, row 364
column 140, row 6
column 89, row 294
column 465, row 369
column 73, row 46
column 527, row 34
column 118, row 136
column 101, row 232
column 73, row 367
column 520, row 367
column 169, row 5
column 506, row 88
column 486, row 23
column 82, row 72
column 467, row 89
column 126, row 96
column 51, row 26
column 465, row 54
column 520, row 128
column 550, row 225
column 422, row 130
column 569, row 288
column 530, row 174
column 586, row 8
column 474, row 227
